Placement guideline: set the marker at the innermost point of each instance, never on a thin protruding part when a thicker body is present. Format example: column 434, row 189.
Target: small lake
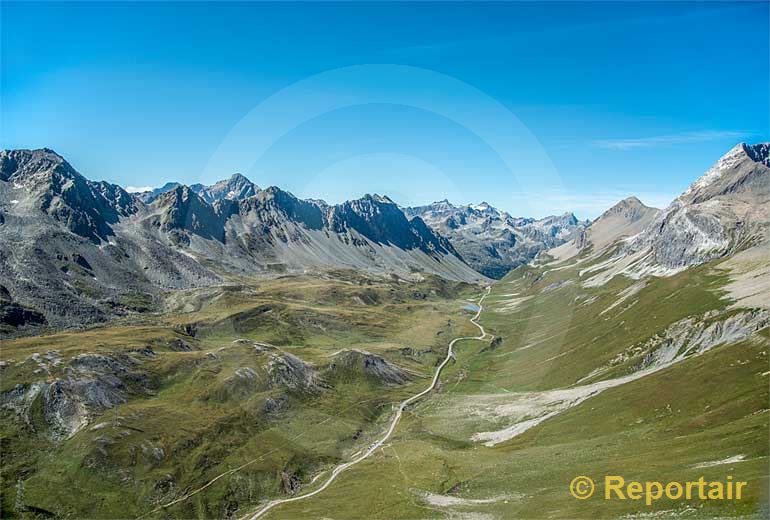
column 471, row 307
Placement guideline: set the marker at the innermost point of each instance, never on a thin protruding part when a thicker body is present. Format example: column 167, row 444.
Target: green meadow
column 198, row 421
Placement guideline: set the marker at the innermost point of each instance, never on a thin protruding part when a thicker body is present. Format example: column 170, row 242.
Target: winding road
column 393, row 423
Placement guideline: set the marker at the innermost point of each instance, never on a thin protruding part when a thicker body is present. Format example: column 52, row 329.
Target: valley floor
column 250, row 394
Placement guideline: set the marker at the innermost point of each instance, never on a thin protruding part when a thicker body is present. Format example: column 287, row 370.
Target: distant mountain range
column 236, row 187
column 76, row 251
column 492, row 241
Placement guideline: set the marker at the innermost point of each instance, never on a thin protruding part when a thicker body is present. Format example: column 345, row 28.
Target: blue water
column 471, row 307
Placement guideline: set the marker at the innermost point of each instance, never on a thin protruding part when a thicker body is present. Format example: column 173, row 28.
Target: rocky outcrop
column 90, row 384
column 355, row 364
column 693, row 335
column 15, row 316
column 290, row 372
column 242, row 383
column 699, row 334
column 273, row 406
column 290, row 483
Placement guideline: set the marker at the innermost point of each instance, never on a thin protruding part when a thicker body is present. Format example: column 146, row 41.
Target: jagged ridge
column 492, row 241
column 79, row 251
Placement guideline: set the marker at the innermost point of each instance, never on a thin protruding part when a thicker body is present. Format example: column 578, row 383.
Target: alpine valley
column 232, row 351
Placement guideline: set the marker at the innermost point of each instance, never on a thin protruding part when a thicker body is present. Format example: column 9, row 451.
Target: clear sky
column 619, row 98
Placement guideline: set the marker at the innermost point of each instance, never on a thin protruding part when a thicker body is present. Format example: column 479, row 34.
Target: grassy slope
column 629, row 431
column 706, row 408
column 204, row 423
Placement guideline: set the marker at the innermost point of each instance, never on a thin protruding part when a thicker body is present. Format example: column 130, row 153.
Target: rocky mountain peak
column 148, row 196
column 274, row 205
column 489, row 239
column 238, row 178
column 280, row 197
column 176, row 194
column 485, row 209
column 381, row 221
column 435, row 208
column 23, row 164
column 370, row 205
column 631, row 201
column 729, row 162
column 565, row 219
column 627, row 218
column 381, row 199
column 759, row 152
column 630, row 207
column 237, row 187
column 183, row 210
column 41, row 180
column 723, row 210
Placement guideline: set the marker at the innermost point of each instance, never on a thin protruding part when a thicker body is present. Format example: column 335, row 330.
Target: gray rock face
column 55, row 277
column 726, row 209
column 42, row 180
column 379, row 219
column 290, row 372
column 149, row 196
column 181, row 210
column 693, row 335
column 290, row 483
column 354, row 363
column 492, row 241
column 759, row 152
column 273, row 406
column 57, row 258
column 76, row 251
column 92, row 384
column 15, row 316
column 236, row 187
column 627, row 218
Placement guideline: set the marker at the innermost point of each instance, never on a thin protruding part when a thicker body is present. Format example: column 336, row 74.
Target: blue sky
column 592, row 101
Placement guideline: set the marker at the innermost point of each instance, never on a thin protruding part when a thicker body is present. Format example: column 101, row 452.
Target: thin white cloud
column 668, row 140
column 139, row 189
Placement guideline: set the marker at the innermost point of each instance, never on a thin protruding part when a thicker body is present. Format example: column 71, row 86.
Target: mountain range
column 243, row 349
column 492, row 241
column 77, row 251
column 723, row 212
